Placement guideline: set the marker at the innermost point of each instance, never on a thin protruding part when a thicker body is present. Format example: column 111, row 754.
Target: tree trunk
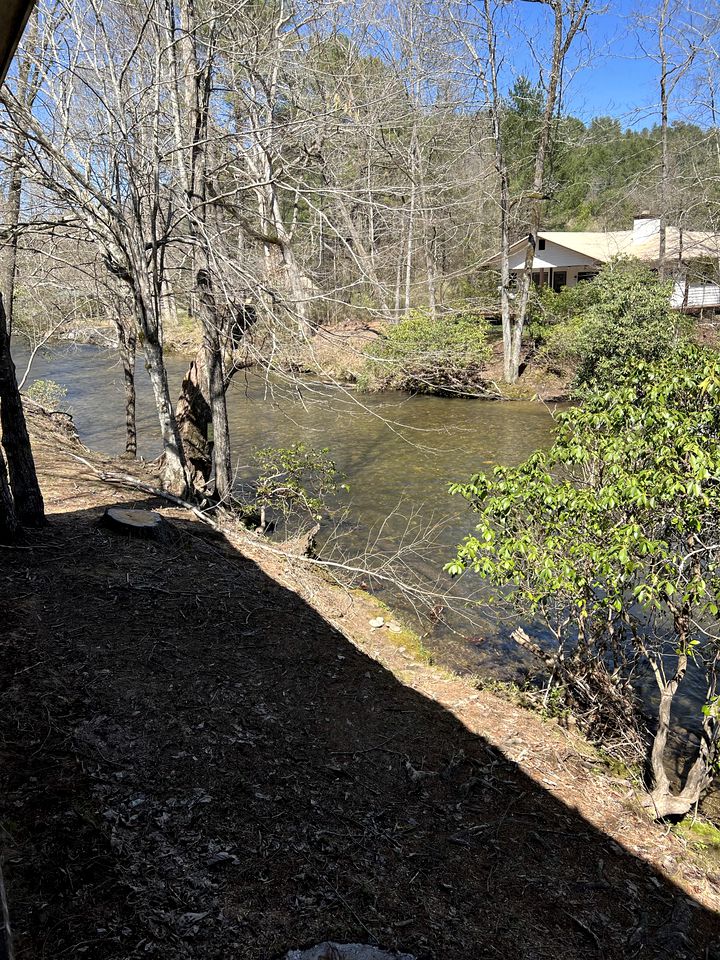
column 398, row 273
column 505, row 294
column 538, row 189
column 127, row 343
column 174, row 472
column 202, row 401
column 491, row 83
column 661, row 802
column 409, row 249
column 15, row 185
column 146, row 309
column 13, row 221
column 194, row 410
column 169, row 303
column 8, row 520
column 194, row 417
column 660, row 795
column 295, row 278
column 216, row 386
column 29, row 507
column 431, row 267
column 562, row 41
column 296, row 281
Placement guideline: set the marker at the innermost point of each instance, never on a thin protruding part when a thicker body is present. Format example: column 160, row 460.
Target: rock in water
column 345, row 951
column 137, row 523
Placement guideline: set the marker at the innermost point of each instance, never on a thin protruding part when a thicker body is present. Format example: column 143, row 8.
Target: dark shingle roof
column 13, row 18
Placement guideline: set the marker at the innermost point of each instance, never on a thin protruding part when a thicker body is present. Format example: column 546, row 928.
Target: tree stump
column 135, row 523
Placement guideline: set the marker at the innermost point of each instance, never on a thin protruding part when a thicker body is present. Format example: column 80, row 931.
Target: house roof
column 594, row 246
column 603, row 246
column 680, row 245
column 13, row 18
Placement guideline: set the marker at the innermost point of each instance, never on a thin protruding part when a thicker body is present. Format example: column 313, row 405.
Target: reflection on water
column 398, row 454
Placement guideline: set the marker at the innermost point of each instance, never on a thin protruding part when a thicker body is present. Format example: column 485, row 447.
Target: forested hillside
column 604, row 175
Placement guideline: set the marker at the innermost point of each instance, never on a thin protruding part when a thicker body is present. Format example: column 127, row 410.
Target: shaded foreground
column 197, row 764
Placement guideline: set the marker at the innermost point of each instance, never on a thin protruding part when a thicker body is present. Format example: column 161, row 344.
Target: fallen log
column 125, row 480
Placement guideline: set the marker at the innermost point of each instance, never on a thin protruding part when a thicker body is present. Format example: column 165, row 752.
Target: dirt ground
column 206, row 752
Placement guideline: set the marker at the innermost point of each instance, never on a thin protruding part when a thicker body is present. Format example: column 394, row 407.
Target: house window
column 559, row 280
column 541, row 243
column 586, row 275
column 536, row 278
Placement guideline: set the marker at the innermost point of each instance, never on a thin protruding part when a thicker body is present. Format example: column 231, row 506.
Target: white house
column 564, row 258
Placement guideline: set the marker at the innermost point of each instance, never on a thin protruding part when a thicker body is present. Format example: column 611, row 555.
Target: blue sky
column 620, row 81
column 614, row 77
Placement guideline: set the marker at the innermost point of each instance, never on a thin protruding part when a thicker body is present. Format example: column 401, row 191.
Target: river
column 398, row 454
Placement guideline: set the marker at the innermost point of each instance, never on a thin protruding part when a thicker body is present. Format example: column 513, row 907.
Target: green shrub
column 295, row 481
column 611, row 541
column 630, row 320
column 47, row 393
column 552, row 314
column 624, row 315
column 423, row 354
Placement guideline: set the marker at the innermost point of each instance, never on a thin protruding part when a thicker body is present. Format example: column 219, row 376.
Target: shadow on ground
column 196, row 765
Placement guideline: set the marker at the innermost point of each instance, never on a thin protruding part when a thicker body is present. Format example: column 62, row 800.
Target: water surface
column 398, row 454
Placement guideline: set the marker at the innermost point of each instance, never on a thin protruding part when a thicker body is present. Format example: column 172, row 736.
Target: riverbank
column 209, row 752
column 338, row 354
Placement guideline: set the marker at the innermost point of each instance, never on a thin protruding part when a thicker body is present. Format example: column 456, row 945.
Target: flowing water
column 398, row 454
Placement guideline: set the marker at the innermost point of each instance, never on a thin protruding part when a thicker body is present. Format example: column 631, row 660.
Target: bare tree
column 568, row 19
column 192, row 62
column 680, row 36
column 479, row 30
column 105, row 163
column 265, row 42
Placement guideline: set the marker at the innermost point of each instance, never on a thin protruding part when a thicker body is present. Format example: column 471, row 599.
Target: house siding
column 552, row 257
column 699, row 296
column 599, row 248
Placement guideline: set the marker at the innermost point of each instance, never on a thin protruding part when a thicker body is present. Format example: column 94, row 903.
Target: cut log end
column 137, row 523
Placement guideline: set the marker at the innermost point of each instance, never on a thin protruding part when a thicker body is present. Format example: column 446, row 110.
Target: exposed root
column 602, row 703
